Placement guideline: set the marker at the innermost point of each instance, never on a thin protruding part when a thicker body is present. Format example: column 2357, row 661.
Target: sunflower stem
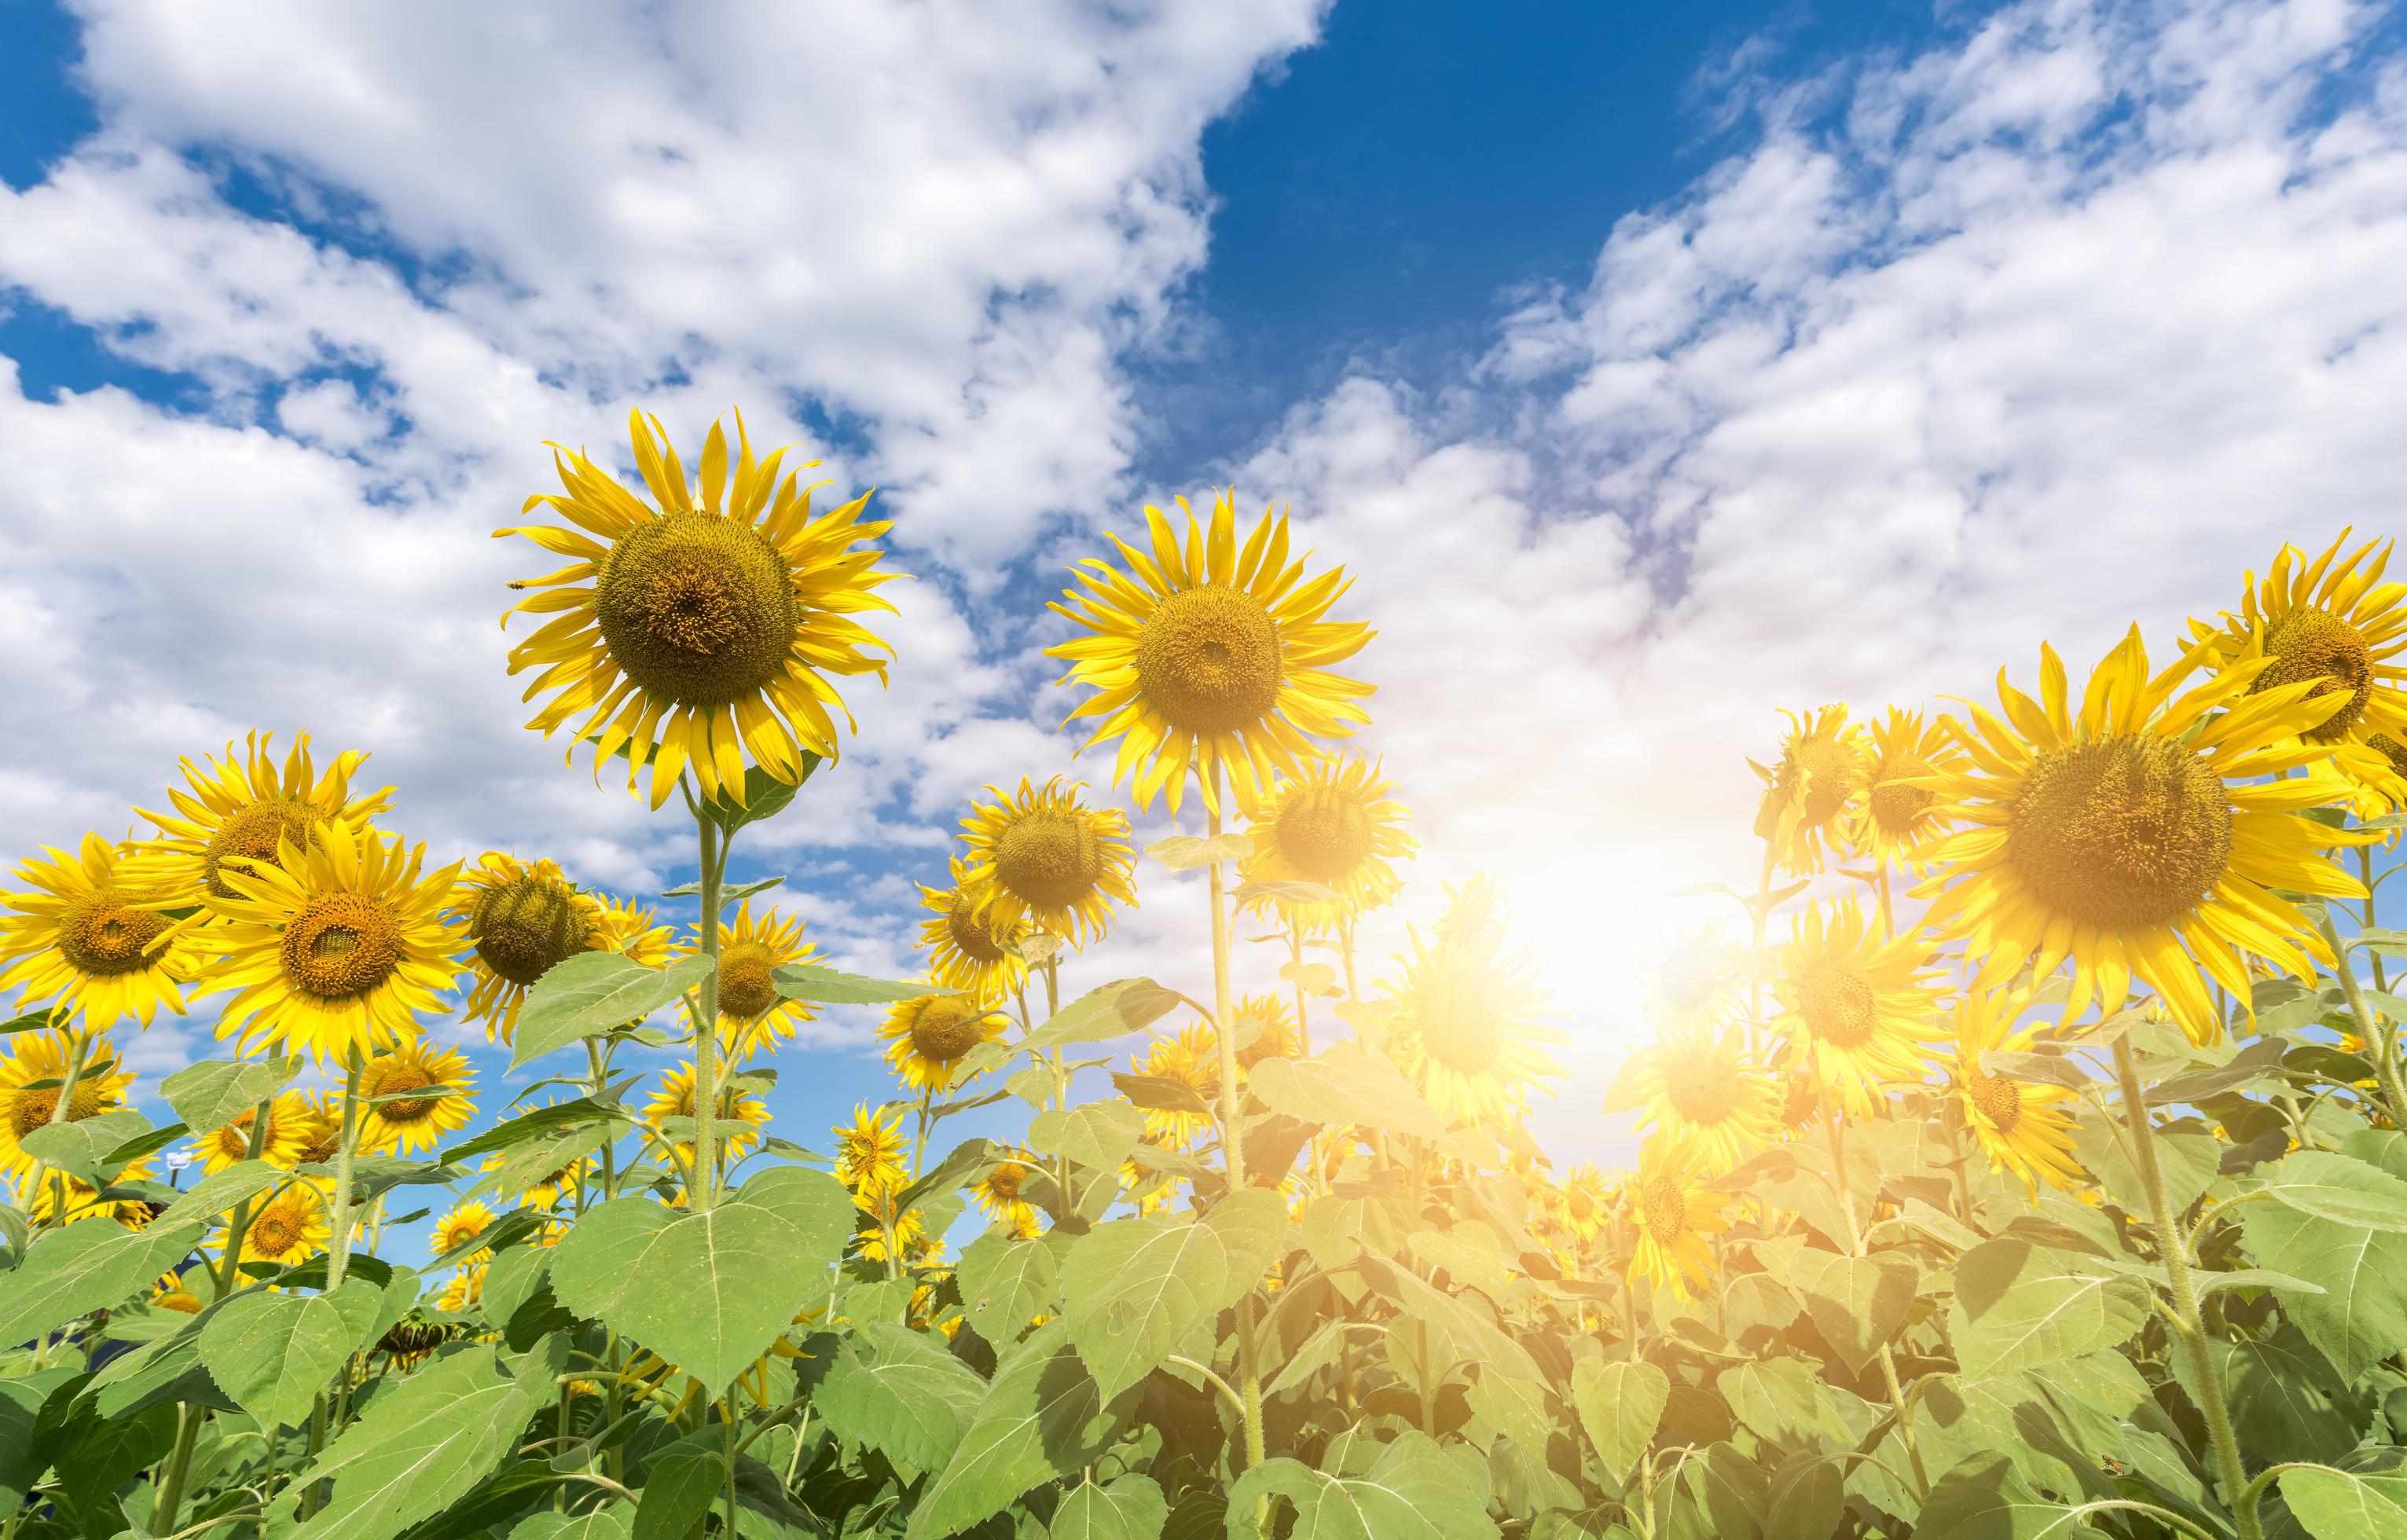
column 79, row 1043
column 704, row 1179
column 1060, row 1083
column 2380, row 1039
column 1838, row 1122
column 1232, row 1141
column 2365, row 871
column 338, row 1259
column 2189, row 1323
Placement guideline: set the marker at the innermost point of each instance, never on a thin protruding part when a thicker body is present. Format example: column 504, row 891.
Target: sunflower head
column 1897, row 810
column 523, row 919
column 869, row 1151
column 33, row 1074
column 1190, row 1059
column 1811, row 793
column 1041, row 857
column 88, row 935
column 1693, row 982
column 740, row 1116
column 290, row 1229
column 1703, row 1095
column 970, row 947
column 751, row 948
column 1857, row 1009
column 241, row 808
column 1001, row 1191
column 412, row 1096
column 2329, row 623
column 1464, row 1020
column 290, row 1123
column 928, row 1035
column 1335, row 825
column 1672, row 1212
column 1264, row 1028
column 2024, row 1127
column 457, row 1228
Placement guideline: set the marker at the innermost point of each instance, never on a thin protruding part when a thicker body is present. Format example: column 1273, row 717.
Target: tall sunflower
column 1702, row 1095
column 698, row 628
column 1672, row 1212
column 239, row 808
column 522, row 918
column 1463, row 1022
column 1899, row 810
column 291, row 1121
column 90, row 936
column 1209, row 657
column 1192, row 1059
column 869, row 1151
column 1811, row 795
column 751, row 1012
column 1337, row 825
column 968, row 949
column 288, row 1230
column 2137, row 836
column 413, row 1095
column 1857, row 1010
column 740, row 1120
column 2330, row 623
column 26, row 1102
column 928, row 1036
column 1044, row 858
column 2024, row 1126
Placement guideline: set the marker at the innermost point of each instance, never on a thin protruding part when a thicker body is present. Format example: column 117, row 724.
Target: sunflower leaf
column 275, row 1352
column 85, row 1267
column 214, row 1092
column 733, row 893
column 1161, row 1093
column 81, row 1147
column 2346, row 1191
column 560, row 1115
column 1342, row 1084
column 2021, row 1306
column 826, row 987
column 1099, row 1015
column 1185, row 852
column 592, row 993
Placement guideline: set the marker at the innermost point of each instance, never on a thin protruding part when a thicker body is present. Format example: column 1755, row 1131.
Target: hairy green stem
column 704, row 1179
column 1233, row 1139
column 338, row 1259
column 1887, row 1360
column 2383, row 1041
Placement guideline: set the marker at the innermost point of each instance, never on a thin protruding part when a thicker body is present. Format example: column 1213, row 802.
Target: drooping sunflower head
column 701, row 627
column 290, row 1122
column 1001, row 1193
column 1190, row 1059
column 1857, row 1011
column 1465, row 1021
column 1041, row 857
column 1672, row 1212
column 523, row 919
column 457, row 1228
column 928, row 1035
column 1337, row 826
column 970, row 946
column 751, row 1013
column 2024, row 1126
column 412, row 1096
column 2139, row 837
column 1264, row 1028
column 288, row 1230
column 89, row 935
column 33, row 1075
column 1695, row 982
column 1811, row 795
column 332, row 950
column 741, row 1114
column 1209, row 657
column 869, row 1150
column 241, row 808
column 1702, row 1095
column 321, row 1128
column 1898, row 813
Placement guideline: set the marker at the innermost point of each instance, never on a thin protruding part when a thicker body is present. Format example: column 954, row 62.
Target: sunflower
column 290, row 1229
column 91, row 935
column 869, row 1150
column 2023, row 1125
column 1702, row 1095
column 1192, row 1059
column 1583, row 1200
column 1897, row 814
column 1671, row 1213
column 698, row 628
column 465, row 1290
column 2331, row 623
column 26, row 1104
column 881, row 1211
column 629, row 932
column 84, row 1202
column 457, row 1228
column 522, row 920
column 428, row 1088
column 170, row 1293
column 741, row 1114
column 967, row 948
column 1264, row 1028
column 1857, row 1010
column 1809, row 797
column 999, row 1192
column 335, row 948
column 1044, row 858
column 240, row 808
column 750, row 951
column 322, row 1127
column 2141, row 838
column 1335, row 825
column 290, row 1122
column 928, row 1036
column 1211, row 657
column 1465, row 1021
column 549, row 1188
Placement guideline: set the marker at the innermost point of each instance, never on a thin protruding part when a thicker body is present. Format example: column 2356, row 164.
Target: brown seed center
column 1324, row 833
column 1050, row 858
column 341, row 945
column 2315, row 643
column 1703, row 1085
column 526, row 927
column 747, row 983
column 2124, row 834
column 697, row 608
column 252, row 832
column 1209, row 660
column 101, row 936
column 1664, row 1208
column 1839, row 1004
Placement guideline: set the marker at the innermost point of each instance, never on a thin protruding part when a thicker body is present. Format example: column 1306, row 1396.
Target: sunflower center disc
column 946, row 1027
column 1664, row 1208
column 525, row 927
column 697, row 608
column 274, row 1233
column 2392, row 750
column 1324, row 833
column 972, row 933
column 2122, row 834
column 1049, row 858
column 1460, row 1027
column 1004, row 1180
column 2314, row 644
column 1209, row 660
column 1701, row 1087
column 30, row 1109
column 1839, row 1005
column 2000, row 1101
column 1897, row 809
column 103, row 936
column 340, row 945
column 252, row 832
column 408, row 1109
column 747, row 988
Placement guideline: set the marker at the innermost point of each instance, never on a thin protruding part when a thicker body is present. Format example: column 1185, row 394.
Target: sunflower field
column 2026, row 1156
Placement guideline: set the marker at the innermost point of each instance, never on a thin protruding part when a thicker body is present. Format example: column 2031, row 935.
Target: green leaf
column 902, row 1393
column 2343, row 1505
column 734, row 893
column 2345, row 1190
column 678, row 1489
column 1006, row 1284
column 85, row 1267
column 2360, row 1318
column 594, row 993
column 214, row 1092
column 1337, row 1228
column 423, row 1442
column 2259, row 1058
column 529, row 1125
column 1160, row 1093
column 2054, row 1069
column 1130, row 1509
column 1098, row 1016
column 2188, row 1162
column 1782, row 1401
column 615, row 1522
column 1466, row 1333
column 1983, row 1499
column 1288, row 893
column 1805, row 1499
column 1345, row 1083
column 707, row 1291
column 2286, row 1402
column 2020, row 1306
column 1042, row 1417
column 2253, row 1278
column 826, row 987
column 1415, row 1490
column 275, row 1352
column 81, row 1147
column 764, row 796
column 1094, row 1133
column 1252, row 1225
column 221, row 1190
column 1135, row 1290
column 1185, row 852
column 1858, row 1303
column 100, row 1455
column 1620, row 1403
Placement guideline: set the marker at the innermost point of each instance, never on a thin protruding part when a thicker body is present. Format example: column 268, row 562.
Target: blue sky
column 1652, row 368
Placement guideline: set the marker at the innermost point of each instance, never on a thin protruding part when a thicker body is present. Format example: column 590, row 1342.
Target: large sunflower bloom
column 741, row 1114
column 1857, row 1011
column 1044, row 858
column 523, row 919
column 751, row 1012
column 240, row 808
column 869, row 1151
column 290, row 1122
column 1211, row 657
column 928, row 1035
column 1701, row 1096
column 334, row 948
column 1264, row 1028
column 2024, row 1126
column 90, row 936
column 461, row 1225
column 1463, row 1023
column 700, row 628
column 1671, row 1213
column 1810, row 796
column 1899, row 810
column 26, row 1104
column 2137, row 836
column 412, row 1096
column 1337, row 825
column 968, row 949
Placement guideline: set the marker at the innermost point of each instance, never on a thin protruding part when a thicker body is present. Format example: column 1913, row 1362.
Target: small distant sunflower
column 549, row 1188
column 1192, row 1059
column 239, row 808
column 700, row 628
column 465, row 1291
column 751, row 1012
column 869, row 1150
column 2025, row 1126
column 630, row 931
column 1211, row 657
column 675, row 1098
column 1584, row 1201
column 1701, row 1096
column 928, row 1035
column 1044, row 858
column 90, row 936
column 1898, row 813
column 968, row 949
column 291, row 1121
column 1857, row 1011
column 1264, row 1028
column 523, row 919
column 1811, row 795
column 323, row 1128
column 999, row 1192
column 429, row 1091
column 1672, row 1212
column 880, row 1206
column 25, row 1104
column 1337, row 825
column 457, row 1228
column 1463, row 1023
column 290, row 1230
column 2147, row 836
column 1695, row 982
column 335, row 949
